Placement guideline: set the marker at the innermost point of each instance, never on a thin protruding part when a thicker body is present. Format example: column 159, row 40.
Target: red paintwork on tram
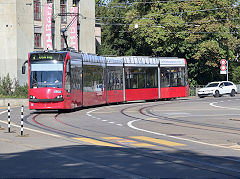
column 81, row 93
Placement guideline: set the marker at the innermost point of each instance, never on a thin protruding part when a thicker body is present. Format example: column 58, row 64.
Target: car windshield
column 211, row 85
column 46, row 75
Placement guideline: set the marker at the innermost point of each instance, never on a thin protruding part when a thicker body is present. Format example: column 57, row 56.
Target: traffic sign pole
column 227, row 70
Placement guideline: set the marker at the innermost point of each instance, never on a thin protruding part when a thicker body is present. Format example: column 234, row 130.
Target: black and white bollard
column 9, row 126
column 22, row 121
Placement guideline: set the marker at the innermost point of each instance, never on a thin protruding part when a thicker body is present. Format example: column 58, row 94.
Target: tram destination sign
column 46, row 56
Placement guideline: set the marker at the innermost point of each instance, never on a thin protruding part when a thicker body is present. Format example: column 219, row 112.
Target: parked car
column 218, row 89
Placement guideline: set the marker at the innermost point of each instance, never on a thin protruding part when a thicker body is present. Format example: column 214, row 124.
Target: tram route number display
column 46, row 56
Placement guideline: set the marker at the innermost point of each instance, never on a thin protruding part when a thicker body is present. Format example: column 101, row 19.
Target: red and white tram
column 67, row 80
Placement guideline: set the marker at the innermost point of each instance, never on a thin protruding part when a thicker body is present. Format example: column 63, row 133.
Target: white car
column 218, row 89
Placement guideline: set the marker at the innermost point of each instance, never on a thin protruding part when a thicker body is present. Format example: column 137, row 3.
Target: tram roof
column 140, row 60
column 146, row 60
column 171, row 61
column 93, row 58
column 113, row 60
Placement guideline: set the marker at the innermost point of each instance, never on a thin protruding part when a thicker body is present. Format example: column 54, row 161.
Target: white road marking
column 3, row 112
column 223, row 107
column 130, row 124
column 33, row 130
column 90, row 115
column 46, row 133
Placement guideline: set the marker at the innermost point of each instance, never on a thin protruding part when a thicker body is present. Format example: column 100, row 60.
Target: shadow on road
column 89, row 161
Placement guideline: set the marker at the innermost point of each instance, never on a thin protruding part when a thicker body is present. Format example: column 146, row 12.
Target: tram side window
column 93, row 78
column 172, row 77
column 137, row 78
column 76, row 78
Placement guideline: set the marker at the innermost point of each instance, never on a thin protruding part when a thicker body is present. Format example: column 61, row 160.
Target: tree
column 203, row 32
column 115, row 39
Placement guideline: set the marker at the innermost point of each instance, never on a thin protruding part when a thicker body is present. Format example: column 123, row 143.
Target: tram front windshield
column 48, row 74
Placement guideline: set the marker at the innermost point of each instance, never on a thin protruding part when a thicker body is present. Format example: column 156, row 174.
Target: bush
column 11, row 89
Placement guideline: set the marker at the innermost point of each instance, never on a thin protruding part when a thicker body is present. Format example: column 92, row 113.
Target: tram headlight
column 60, row 97
column 33, row 97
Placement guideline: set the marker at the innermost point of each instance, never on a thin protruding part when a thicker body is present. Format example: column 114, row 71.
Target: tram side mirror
column 23, row 69
column 68, row 68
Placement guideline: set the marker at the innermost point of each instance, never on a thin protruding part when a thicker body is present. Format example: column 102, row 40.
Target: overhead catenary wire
column 146, row 2
column 169, row 23
column 58, row 10
column 200, row 10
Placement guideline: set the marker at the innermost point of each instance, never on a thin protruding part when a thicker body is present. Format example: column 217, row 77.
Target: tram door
column 114, row 83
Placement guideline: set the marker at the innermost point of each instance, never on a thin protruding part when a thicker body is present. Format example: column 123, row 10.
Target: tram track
column 184, row 123
column 142, row 119
column 190, row 124
column 188, row 162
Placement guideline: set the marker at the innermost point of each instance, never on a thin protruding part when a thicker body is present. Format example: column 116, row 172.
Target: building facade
column 22, row 30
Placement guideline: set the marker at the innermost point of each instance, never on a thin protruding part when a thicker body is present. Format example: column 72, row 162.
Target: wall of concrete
column 87, row 26
column 8, row 36
column 17, row 32
column 25, row 35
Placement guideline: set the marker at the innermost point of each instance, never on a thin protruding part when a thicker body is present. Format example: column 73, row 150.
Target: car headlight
column 210, row 90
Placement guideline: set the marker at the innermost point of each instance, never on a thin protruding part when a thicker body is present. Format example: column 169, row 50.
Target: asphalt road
column 182, row 138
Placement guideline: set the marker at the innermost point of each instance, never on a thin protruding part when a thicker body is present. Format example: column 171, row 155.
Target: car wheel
column 232, row 93
column 201, row 96
column 216, row 95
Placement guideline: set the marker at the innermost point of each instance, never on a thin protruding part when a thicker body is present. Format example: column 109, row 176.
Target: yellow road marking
column 142, row 145
column 158, row 141
column 152, row 118
column 96, row 142
column 3, row 107
column 7, row 107
column 112, row 138
column 126, row 140
column 6, row 121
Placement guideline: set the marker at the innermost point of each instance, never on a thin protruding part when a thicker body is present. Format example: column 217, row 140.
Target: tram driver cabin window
column 172, row 77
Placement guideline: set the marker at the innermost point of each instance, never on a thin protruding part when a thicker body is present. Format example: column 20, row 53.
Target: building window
column 63, row 10
column 37, row 10
column 53, row 40
column 75, row 3
column 37, row 40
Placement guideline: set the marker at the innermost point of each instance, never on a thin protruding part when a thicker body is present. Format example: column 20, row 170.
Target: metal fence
column 193, row 90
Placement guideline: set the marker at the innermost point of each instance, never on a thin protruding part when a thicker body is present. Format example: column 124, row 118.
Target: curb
column 13, row 101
